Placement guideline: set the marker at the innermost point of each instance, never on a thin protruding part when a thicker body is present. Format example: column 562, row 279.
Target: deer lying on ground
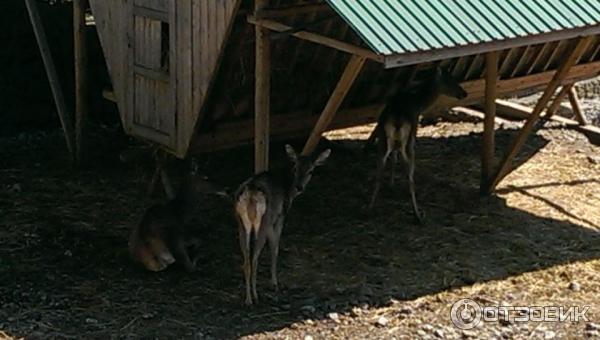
column 397, row 125
column 161, row 238
column 261, row 205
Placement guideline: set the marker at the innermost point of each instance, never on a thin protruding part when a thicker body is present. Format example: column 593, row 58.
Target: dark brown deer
column 261, row 205
column 397, row 125
column 162, row 236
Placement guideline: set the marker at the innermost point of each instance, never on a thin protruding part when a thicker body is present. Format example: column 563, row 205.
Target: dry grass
column 65, row 272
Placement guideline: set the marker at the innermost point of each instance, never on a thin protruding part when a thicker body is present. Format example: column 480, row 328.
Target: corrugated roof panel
column 404, row 26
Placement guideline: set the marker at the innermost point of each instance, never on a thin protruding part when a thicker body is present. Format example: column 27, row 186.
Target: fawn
column 161, row 237
column 261, row 205
column 397, row 125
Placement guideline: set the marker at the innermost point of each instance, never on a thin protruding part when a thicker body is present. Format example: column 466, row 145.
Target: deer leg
column 411, row 179
column 393, row 167
column 259, row 243
column 245, row 246
column 274, row 238
column 383, row 153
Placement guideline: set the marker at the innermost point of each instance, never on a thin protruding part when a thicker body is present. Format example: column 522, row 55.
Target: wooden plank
column 508, row 87
column 286, row 125
column 570, row 59
column 551, row 110
column 488, row 147
column 262, row 100
column 59, row 99
column 151, row 13
column 540, row 57
column 183, row 78
column 81, row 86
column 523, row 59
column 316, row 38
column 574, row 100
column 293, row 10
column 283, row 127
column 209, row 41
column 352, row 70
column 517, row 111
column 474, row 68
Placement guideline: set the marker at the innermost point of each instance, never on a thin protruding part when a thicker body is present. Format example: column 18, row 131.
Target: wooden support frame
column 57, row 93
column 488, row 146
column 553, row 107
column 570, row 59
column 350, row 74
column 81, row 86
column 262, row 99
column 316, row 38
column 297, row 9
column 574, row 101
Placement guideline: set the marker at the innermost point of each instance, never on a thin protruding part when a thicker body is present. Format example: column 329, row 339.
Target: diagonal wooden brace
column 350, row 74
column 570, row 59
column 59, row 99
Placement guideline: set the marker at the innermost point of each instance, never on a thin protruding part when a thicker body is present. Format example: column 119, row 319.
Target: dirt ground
column 65, row 273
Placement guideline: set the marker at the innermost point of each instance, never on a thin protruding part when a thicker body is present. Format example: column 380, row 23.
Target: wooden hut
column 196, row 76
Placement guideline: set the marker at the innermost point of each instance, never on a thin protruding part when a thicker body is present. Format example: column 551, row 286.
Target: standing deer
column 161, row 237
column 397, row 125
column 261, row 205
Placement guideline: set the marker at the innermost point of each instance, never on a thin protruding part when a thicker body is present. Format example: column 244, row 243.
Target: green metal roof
column 424, row 27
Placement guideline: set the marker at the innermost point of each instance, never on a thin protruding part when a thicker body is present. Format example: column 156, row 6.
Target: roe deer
column 397, row 125
column 261, row 205
column 162, row 237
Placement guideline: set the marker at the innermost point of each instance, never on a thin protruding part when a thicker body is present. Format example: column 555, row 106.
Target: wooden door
column 151, row 71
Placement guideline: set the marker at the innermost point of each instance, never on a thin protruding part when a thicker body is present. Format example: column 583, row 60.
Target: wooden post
column 488, row 147
column 574, row 100
column 570, row 59
column 59, row 99
column 81, row 98
column 262, row 94
column 551, row 110
column 337, row 97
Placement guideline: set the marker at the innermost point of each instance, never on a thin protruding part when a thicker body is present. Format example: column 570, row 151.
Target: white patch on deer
column 251, row 207
column 166, row 258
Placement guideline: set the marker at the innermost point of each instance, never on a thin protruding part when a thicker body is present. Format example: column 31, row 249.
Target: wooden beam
column 283, row 127
column 81, row 86
column 551, row 110
column 423, row 56
column 574, row 100
column 352, row 70
column 293, row 10
column 299, row 124
column 262, row 101
column 316, row 38
column 517, row 111
column 109, row 95
column 477, row 113
column 570, row 59
column 488, row 147
column 57, row 93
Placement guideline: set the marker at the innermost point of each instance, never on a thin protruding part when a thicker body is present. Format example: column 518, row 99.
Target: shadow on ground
column 65, row 272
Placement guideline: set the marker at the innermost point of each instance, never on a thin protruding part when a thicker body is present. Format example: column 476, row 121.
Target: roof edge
column 405, row 59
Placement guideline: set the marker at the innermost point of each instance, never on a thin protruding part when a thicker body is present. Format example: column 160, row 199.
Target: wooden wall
column 162, row 56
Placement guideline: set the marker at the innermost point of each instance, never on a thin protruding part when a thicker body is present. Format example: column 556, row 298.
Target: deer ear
column 291, row 153
column 322, row 157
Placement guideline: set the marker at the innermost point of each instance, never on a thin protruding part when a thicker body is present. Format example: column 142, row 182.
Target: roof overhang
column 404, row 59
